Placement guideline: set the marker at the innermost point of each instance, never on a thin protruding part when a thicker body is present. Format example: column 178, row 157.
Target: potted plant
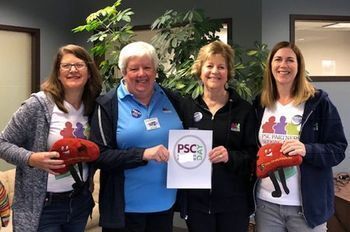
column 179, row 36
column 178, row 39
column 111, row 30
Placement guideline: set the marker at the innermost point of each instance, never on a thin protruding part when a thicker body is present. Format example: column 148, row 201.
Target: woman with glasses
column 45, row 200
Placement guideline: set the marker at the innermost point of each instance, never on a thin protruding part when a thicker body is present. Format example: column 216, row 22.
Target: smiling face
column 214, row 72
column 139, row 76
column 284, row 67
column 73, row 77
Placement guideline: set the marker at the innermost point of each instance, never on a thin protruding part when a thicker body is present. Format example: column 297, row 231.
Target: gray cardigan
column 27, row 132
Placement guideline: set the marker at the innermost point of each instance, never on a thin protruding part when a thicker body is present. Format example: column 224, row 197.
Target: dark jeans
column 65, row 213
column 219, row 222
column 147, row 222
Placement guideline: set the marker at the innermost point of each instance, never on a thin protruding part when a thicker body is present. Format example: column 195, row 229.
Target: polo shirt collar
column 123, row 92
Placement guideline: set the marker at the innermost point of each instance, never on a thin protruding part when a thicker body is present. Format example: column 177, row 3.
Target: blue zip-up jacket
column 325, row 143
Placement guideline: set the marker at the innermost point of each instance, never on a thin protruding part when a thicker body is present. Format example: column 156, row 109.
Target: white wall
column 55, row 19
column 334, row 46
column 275, row 27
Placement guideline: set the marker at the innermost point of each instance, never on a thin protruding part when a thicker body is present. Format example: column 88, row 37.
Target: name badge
column 152, row 123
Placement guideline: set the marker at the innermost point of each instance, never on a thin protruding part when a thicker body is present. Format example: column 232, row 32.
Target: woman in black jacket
column 227, row 205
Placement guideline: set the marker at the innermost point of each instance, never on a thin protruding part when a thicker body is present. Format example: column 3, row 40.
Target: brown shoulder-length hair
column 93, row 86
column 302, row 88
column 213, row 48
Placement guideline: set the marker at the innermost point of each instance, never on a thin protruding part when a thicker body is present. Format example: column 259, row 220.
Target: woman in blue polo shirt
column 131, row 126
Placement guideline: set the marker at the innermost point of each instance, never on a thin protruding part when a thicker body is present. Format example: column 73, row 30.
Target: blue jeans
column 66, row 213
column 270, row 217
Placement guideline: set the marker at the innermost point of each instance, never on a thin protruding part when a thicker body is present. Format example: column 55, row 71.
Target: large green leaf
column 178, row 38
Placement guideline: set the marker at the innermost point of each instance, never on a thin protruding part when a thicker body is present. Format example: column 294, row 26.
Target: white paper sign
column 189, row 165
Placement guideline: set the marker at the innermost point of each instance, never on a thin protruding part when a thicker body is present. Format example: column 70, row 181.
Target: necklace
column 215, row 103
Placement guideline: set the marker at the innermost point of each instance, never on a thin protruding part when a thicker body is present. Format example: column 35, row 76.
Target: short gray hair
column 137, row 49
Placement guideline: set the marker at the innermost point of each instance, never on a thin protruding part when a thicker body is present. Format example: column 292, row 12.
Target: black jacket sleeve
column 103, row 133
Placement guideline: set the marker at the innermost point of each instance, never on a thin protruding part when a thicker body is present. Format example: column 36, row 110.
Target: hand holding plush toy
column 271, row 159
column 75, row 150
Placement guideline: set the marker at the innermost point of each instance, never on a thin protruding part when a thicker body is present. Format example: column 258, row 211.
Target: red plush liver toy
column 75, row 150
column 270, row 159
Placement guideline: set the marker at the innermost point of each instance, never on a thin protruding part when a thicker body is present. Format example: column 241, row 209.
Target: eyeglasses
column 68, row 66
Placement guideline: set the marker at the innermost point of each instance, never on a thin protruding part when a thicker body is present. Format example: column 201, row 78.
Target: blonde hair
column 302, row 88
column 213, row 48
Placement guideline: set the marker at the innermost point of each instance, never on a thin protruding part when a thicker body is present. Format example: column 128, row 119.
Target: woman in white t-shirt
column 291, row 111
column 45, row 200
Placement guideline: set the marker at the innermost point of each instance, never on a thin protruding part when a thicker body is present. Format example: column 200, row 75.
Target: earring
column 226, row 85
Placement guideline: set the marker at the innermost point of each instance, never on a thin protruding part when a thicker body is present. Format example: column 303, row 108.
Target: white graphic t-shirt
column 71, row 125
column 279, row 124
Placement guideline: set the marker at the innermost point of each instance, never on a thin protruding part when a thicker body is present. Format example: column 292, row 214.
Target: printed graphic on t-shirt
column 278, row 125
column 67, row 125
column 281, row 123
column 78, row 132
column 73, row 132
column 273, row 131
column 267, row 127
column 67, row 132
column 279, row 131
